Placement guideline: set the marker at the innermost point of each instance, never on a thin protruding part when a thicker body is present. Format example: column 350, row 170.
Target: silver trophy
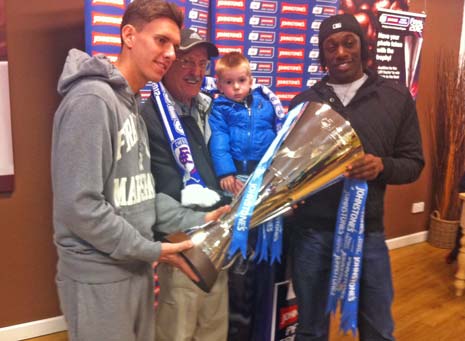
column 314, row 154
column 412, row 49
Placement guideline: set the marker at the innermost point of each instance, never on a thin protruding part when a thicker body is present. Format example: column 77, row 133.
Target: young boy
column 243, row 122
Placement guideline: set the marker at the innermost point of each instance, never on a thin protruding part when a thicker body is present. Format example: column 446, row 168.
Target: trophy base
column 198, row 262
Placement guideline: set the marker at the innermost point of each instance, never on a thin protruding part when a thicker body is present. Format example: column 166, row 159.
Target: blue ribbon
column 347, row 253
column 261, row 249
column 249, row 198
column 270, row 236
column 277, row 241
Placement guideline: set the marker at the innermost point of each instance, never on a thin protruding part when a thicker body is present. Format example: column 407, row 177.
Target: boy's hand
column 231, row 184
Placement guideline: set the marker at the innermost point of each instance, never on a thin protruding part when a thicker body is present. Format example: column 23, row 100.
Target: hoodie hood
column 79, row 65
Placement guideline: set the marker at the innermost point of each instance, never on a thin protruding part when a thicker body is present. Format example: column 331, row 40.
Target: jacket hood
column 80, row 65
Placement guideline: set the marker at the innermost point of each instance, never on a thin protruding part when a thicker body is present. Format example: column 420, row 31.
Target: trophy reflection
column 314, row 154
column 412, row 49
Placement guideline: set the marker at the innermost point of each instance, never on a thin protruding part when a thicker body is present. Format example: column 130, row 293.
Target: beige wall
column 39, row 34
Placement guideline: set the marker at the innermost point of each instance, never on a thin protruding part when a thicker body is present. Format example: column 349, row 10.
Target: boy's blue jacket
column 240, row 132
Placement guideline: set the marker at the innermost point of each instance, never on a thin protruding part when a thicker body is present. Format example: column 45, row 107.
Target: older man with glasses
column 176, row 116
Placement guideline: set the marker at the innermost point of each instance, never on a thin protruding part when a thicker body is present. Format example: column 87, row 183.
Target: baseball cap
column 190, row 39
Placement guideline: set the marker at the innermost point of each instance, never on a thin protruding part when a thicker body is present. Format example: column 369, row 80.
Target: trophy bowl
column 314, row 154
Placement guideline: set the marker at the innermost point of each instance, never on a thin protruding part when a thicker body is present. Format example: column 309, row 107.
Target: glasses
column 190, row 64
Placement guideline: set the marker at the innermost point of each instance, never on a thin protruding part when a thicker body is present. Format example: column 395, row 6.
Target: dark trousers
column 251, row 289
column 311, row 256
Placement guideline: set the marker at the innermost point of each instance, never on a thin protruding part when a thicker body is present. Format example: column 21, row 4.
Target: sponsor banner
column 280, row 38
column 284, row 312
column 102, row 26
column 264, row 80
column 398, row 46
column 103, row 20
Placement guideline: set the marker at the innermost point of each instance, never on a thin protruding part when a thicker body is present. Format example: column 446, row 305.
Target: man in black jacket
column 384, row 116
column 179, row 154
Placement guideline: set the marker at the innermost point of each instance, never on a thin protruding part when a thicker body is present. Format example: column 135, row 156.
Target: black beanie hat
column 341, row 23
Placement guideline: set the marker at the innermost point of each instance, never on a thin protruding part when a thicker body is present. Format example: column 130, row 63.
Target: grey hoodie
column 104, row 202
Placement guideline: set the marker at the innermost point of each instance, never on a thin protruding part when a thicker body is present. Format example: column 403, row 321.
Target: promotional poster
column 398, row 47
column 280, row 38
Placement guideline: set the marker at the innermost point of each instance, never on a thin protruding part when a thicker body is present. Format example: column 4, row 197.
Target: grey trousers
column 118, row 311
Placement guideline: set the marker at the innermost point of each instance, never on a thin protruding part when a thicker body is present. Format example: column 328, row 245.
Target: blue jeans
column 311, row 257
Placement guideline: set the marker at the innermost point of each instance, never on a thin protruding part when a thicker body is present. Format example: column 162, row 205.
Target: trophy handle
column 231, row 261
column 234, row 258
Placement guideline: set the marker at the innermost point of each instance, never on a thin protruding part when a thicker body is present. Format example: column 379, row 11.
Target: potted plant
column 447, row 131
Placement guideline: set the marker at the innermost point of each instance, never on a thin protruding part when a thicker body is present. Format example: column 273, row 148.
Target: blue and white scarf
column 195, row 192
column 278, row 107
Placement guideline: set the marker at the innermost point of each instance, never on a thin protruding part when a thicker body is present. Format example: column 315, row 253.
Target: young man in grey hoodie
column 104, row 192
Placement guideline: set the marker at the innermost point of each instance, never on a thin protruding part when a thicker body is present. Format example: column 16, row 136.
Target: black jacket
column 168, row 179
column 384, row 116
